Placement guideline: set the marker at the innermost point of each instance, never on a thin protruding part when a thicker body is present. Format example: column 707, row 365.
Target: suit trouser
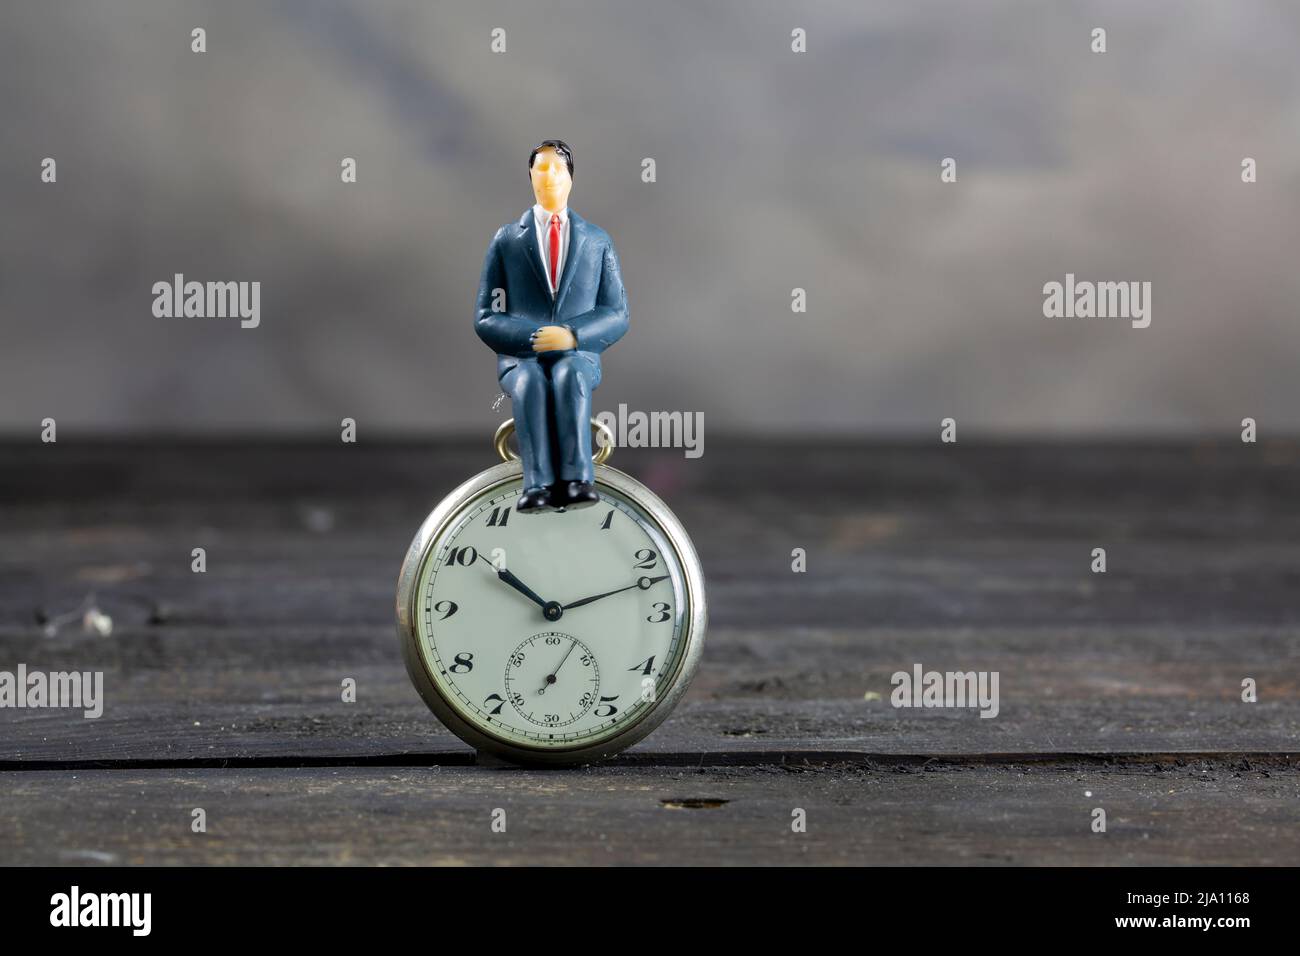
column 551, row 400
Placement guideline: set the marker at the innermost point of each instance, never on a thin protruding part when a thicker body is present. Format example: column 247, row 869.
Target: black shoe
column 572, row 495
column 535, row 499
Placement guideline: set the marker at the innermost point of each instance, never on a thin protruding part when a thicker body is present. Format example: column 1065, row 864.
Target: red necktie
column 554, row 242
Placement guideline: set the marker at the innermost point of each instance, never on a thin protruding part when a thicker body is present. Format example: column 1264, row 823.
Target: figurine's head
column 550, row 166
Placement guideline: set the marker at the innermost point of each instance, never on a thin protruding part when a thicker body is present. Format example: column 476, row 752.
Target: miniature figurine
column 550, row 301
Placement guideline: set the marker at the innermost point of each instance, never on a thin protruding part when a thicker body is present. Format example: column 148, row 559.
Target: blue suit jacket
column 590, row 301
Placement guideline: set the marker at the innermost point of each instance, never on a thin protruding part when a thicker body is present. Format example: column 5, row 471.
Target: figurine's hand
column 553, row 338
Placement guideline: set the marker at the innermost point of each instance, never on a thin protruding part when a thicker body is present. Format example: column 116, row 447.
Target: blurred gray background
column 775, row 170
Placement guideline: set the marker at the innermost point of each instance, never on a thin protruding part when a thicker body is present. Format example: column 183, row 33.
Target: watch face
column 555, row 630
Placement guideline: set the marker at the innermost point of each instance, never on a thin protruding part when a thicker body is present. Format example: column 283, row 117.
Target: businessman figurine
column 550, row 301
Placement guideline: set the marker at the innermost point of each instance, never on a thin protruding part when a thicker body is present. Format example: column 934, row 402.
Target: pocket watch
column 554, row 638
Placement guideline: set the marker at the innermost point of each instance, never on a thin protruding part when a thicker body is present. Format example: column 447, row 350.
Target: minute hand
column 642, row 583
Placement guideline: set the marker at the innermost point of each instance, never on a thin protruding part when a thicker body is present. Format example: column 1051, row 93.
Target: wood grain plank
column 1197, row 814
column 204, row 690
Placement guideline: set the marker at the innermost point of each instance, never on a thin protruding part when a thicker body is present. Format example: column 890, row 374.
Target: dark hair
column 560, row 146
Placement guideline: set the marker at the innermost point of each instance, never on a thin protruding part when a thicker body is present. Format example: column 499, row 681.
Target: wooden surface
column 223, row 688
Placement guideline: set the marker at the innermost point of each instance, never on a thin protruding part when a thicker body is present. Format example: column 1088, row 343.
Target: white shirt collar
column 543, row 217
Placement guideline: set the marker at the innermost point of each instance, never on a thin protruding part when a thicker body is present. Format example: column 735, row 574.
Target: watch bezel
column 694, row 622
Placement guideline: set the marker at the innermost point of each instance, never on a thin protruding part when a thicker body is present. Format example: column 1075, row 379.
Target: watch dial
column 551, row 630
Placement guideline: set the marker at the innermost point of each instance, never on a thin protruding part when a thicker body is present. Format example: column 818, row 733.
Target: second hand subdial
column 535, row 689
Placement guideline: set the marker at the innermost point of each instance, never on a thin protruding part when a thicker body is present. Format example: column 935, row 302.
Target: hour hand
column 643, row 583
column 510, row 579
column 551, row 609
